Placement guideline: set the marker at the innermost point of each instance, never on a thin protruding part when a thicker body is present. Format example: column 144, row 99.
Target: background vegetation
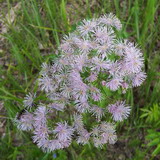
column 29, row 34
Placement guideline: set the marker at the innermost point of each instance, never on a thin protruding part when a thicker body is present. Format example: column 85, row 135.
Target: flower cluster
column 90, row 60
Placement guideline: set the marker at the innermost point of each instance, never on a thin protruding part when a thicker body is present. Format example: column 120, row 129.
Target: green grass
column 33, row 38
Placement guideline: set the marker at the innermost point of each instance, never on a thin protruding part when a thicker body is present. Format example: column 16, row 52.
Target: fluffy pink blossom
column 28, row 100
column 97, row 111
column 99, row 64
column 52, row 145
column 95, row 93
column 90, row 62
column 84, row 45
column 138, row 79
column 66, row 91
column 92, row 77
column 40, row 127
column 87, row 26
column 46, row 84
column 104, row 83
column 45, row 69
column 124, row 86
column 81, row 106
column 114, row 83
column 111, row 20
column 114, row 68
column 105, row 49
column 25, row 122
column 66, row 47
column 104, row 133
column 119, row 110
column 103, row 34
column 63, row 131
column 57, row 106
column 78, row 122
column 83, row 137
column 79, row 88
column 120, row 46
column 133, row 59
column 67, row 42
column 79, row 62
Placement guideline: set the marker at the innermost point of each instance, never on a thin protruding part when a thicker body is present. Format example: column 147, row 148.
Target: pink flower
column 120, row 46
column 66, row 47
column 63, row 131
column 99, row 64
column 97, row 111
column 92, row 77
column 65, row 144
column 108, row 133
column 46, row 83
column 28, row 100
column 114, row 83
column 119, row 110
column 104, row 83
column 114, row 68
column 67, row 42
column 66, row 91
column 74, row 83
column 81, row 106
column 53, row 145
column 108, row 137
column 138, row 79
column 111, row 20
column 79, row 62
column 124, row 86
column 83, row 137
column 25, row 123
column 105, row 133
column 87, row 26
column 95, row 93
column 69, row 38
column 83, row 45
column 45, row 69
column 79, row 88
column 103, row 34
column 133, row 60
column 57, row 106
column 104, row 49
column 40, row 127
column 78, row 122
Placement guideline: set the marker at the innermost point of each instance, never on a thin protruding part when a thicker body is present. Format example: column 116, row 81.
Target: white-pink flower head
column 119, row 110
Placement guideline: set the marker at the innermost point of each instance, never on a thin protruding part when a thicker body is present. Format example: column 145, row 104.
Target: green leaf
column 154, row 142
column 156, row 151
